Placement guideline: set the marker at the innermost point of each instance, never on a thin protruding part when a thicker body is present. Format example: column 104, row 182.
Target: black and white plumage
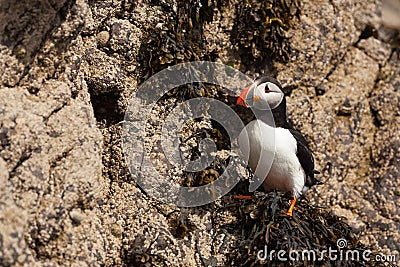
column 292, row 167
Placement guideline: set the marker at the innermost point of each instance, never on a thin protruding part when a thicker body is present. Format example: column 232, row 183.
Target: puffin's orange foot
column 289, row 213
column 243, row 197
column 290, row 210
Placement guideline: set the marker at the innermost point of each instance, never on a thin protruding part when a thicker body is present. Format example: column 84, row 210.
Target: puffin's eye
column 266, row 89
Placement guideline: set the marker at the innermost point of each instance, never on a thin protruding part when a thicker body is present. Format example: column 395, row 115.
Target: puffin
column 277, row 153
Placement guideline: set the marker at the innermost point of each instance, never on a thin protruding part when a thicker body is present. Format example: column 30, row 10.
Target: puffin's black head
column 265, row 93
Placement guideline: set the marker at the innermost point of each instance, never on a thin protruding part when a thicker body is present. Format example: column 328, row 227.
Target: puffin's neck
column 279, row 114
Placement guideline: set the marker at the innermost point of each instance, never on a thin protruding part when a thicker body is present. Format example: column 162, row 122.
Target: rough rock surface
column 66, row 72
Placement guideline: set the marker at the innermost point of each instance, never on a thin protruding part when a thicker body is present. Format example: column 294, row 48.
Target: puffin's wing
column 305, row 157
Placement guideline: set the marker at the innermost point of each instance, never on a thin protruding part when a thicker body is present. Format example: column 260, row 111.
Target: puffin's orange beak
column 241, row 99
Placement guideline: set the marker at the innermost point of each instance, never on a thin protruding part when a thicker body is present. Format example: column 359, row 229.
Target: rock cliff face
column 67, row 69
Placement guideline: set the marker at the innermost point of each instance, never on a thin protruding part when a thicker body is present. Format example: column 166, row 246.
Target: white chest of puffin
column 285, row 163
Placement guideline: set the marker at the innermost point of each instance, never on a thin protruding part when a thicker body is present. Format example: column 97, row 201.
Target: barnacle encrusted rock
column 13, row 220
column 105, row 74
column 12, row 68
column 51, row 148
column 67, row 68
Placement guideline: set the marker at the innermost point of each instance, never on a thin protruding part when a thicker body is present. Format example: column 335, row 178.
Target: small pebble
column 77, row 216
column 103, row 37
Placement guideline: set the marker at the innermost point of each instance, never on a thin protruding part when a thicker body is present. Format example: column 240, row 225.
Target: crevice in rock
column 26, row 154
column 53, row 112
column 369, row 31
column 106, row 108
column 374, row 112
column 63, row 155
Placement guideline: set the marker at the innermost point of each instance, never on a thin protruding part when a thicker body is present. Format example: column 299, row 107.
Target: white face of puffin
column 265, row 96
